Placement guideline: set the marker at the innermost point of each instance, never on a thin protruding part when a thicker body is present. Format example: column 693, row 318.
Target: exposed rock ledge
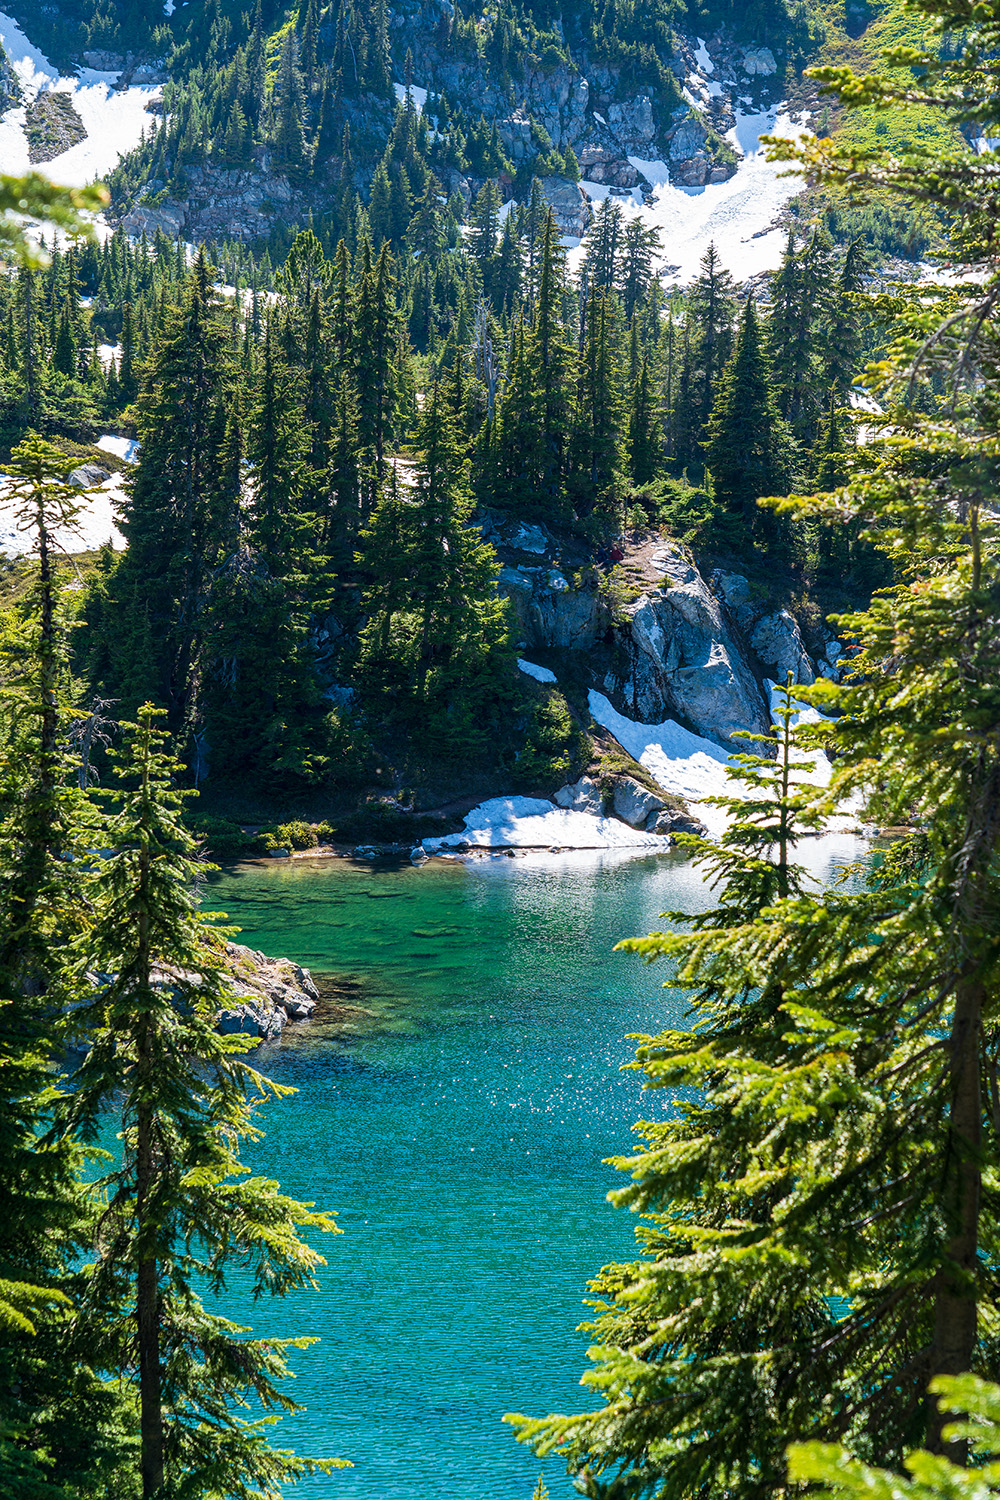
column 267, row 992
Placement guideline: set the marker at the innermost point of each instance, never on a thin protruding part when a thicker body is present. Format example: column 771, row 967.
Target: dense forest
column 307, row 452
column 337, row 426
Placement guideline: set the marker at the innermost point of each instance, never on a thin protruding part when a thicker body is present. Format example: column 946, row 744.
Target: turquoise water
column 457, row 1092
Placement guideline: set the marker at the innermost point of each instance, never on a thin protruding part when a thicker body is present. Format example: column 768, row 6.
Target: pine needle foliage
column 179, row 1212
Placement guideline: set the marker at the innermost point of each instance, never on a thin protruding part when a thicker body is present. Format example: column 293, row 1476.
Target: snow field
column 737, row 215
column 113, row 119
column 533, row 822
column 95, row 524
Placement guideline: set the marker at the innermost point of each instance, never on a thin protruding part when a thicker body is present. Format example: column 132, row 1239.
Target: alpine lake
column 457, row 1092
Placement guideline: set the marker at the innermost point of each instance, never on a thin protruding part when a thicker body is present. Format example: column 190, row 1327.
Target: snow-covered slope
column 738, row 215
column 113, row 119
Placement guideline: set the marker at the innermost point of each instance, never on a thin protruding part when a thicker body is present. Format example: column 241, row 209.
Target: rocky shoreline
column 267, row 993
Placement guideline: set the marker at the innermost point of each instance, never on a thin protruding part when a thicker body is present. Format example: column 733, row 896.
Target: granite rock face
column 778, row 643
column 685, row 661
column 569, row 203
column 549, row 612
column 583, row 796
column 634, row 804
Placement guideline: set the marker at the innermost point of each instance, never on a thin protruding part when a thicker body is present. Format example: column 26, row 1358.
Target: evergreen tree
column 178, row 1209
column 179, row 514
column 645, row 433
column 596, row 451
column 711, row 303
column 59, row 1424
column 435, row 648
column 746, row 450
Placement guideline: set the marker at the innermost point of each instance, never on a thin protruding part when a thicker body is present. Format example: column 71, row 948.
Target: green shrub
column 551, row 745
column 222, row 838
column 294, row 835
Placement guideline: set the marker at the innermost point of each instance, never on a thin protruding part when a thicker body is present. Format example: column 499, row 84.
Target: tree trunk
column 147, row 1299
column 955, row 1311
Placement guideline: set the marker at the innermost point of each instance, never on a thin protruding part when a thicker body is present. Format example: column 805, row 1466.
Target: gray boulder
column 684, row 659
column 633, row 803
column 583, row 796
column 671, row 821
column 688, row 138
column 759, row 62
column 569, row 203
column 602, row 165
column 633, row 123
column 87, row 476
column 778, row 643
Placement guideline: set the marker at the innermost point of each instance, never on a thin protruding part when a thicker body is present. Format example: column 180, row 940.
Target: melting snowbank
column 124, row 448
column 533, row 823
column 737, row 215
column 113, row 119
column 95, row 525
column 540, row 674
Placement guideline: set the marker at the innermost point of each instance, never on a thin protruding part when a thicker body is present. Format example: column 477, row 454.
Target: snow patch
column 681, row 762
column 540, row 674
column 123, row 447
column 694, row 768
column 534, row 822
column 702, row 58
column 95, row 525
column 418, row 95
column 113, row 119
column 738, row 215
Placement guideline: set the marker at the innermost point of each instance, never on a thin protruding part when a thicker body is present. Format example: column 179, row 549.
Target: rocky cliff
column 654, row 634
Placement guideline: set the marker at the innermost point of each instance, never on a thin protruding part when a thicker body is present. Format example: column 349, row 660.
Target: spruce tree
column 747, row 448
column 180, row 1211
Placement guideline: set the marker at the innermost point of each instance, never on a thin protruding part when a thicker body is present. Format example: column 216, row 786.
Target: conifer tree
column 58, row 1422
column 645, row 432
column 822, row 1199
column 712, row 304
column 179, row 512
column 596, row 450
column 435, row 648
column 278, row 453
column 179, row 1208
column 746, row 446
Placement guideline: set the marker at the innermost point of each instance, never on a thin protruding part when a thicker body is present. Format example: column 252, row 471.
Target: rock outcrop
column 569, row 203
column 549, row 612
column 583, row 796
column 635, row 804
column 685, row 661
column 267, row 992
column 778, row 643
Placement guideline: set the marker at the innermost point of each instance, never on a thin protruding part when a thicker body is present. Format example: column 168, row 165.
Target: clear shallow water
column 457, row 1093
